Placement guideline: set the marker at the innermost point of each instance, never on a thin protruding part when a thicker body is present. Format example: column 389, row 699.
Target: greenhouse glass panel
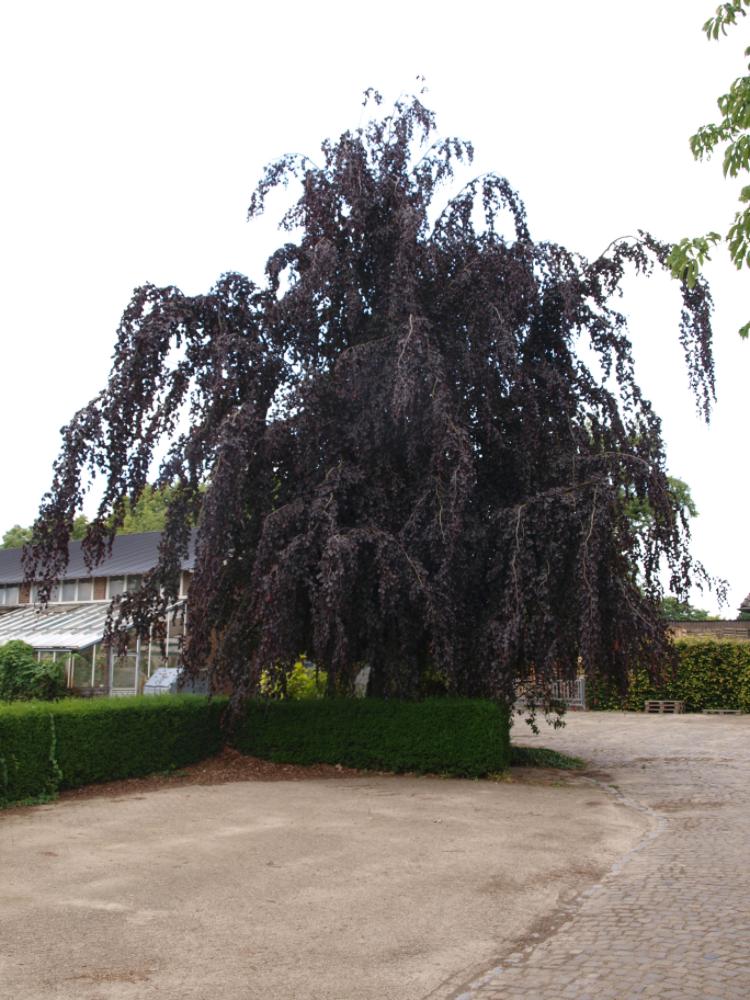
column 82, row 664
column 101, row 666
column 123, row 671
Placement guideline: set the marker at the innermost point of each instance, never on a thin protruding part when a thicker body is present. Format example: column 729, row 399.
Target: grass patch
column 543, row 757
column 31, row 800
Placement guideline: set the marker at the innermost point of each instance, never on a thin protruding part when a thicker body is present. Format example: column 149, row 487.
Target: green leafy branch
column 726, row 14
column 687, row 257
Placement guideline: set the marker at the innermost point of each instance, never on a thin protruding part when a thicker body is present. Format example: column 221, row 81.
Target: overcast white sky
column 133, row 134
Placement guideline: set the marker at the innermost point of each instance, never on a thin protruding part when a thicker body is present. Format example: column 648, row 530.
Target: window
column 82, row 668
column 54, row 594
column 124, row 666
column 177, row 626
column 101, row 666
column 123, row 671
column 74, row 590
column 174, row 653
column 9, row 594
column 64, row 657
column 116, row 585
column 134, row 583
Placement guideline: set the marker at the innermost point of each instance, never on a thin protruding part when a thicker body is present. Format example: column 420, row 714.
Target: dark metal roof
column 131, row 554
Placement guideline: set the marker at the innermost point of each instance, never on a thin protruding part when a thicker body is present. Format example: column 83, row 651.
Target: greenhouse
column 76, row 637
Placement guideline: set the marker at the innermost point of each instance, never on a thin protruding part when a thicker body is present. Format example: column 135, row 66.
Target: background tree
column 393, row 454
column 732, row 131
column 676, row 610
column 639, row 512
column 147, row 513
column 672, row 608
column 16, row 537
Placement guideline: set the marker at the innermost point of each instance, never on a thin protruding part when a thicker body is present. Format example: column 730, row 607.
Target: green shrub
column 302, row 684
column 45, row 747
column 28, row 742
column 23, row 677
column 709, row 673
column 441, row 735
column 743, row 691
column 46, row 682
column 602, row 695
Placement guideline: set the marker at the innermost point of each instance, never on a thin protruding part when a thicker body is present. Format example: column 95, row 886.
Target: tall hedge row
column 48, row 746
column 708, row 673
column 45, row 746
column 443, row 735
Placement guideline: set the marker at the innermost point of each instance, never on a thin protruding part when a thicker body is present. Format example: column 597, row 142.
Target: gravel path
column 673, row 918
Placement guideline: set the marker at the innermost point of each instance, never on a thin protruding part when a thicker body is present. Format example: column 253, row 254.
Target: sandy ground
column 395, row 888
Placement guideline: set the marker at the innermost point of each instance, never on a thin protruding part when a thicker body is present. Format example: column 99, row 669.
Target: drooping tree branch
column 392, row 452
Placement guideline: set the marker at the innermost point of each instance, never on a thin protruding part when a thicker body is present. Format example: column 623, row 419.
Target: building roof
column 55, row 629
column 131, row 554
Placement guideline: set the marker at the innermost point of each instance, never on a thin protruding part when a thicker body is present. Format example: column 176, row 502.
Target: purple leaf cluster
column 393, row 451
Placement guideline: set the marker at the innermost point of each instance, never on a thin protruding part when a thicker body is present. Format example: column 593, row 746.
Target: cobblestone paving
column 672, row 920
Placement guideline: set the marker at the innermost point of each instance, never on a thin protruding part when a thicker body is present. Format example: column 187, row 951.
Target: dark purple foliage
column 393, row 453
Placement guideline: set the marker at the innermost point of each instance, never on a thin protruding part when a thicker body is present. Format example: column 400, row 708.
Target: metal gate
column 573, row 693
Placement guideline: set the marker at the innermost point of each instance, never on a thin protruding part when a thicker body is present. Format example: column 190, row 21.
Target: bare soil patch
column 247, row 880
column 227, row 766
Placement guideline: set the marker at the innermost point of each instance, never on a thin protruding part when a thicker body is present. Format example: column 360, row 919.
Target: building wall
column 712, row 630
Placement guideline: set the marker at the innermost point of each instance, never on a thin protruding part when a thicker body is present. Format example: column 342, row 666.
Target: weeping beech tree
column 392, row 452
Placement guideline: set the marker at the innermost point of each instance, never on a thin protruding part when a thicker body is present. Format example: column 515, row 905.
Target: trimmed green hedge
column 45, row 747
column 27, row 752
column 442, row 735
column 48, row 746
column 710, row 673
